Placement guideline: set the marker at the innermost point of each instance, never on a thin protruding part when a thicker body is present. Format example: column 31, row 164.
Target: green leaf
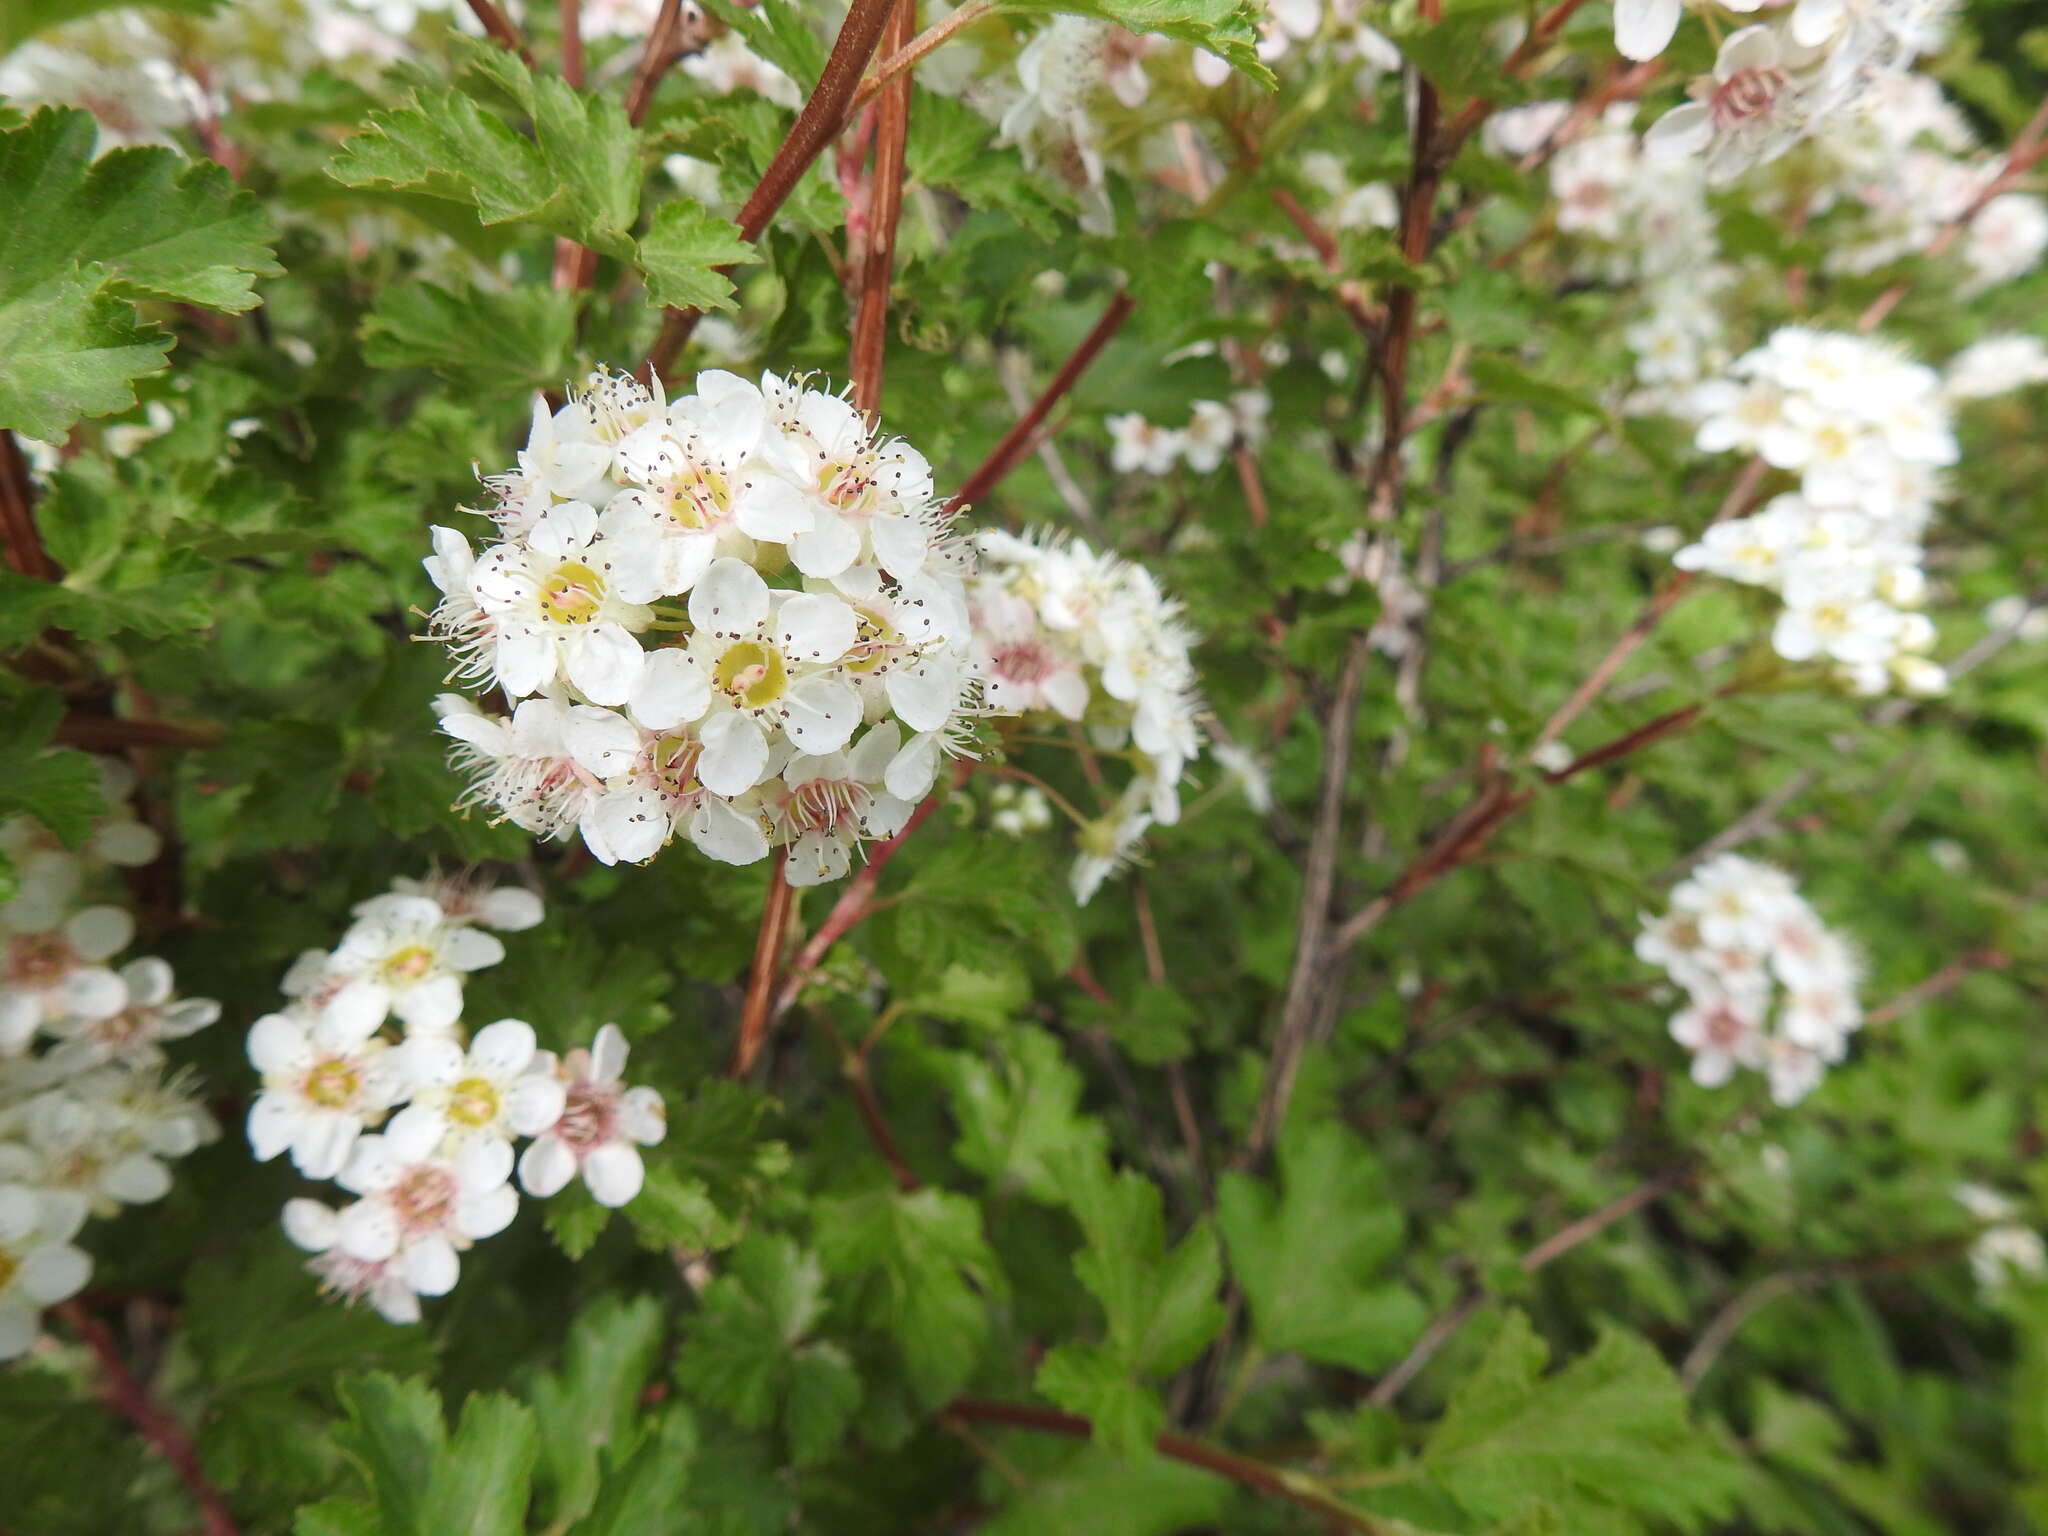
column 1606, row 1438
column 480, row 1485
column 86, row 236
column 590, row 1406
column 1160, row 1307
column 1018, row 1109
column 680, row 254
column 1310, row 1259
column 917, row 1269
column 778, row 34
column 644, row 1492
column 578, row 176
column 157, row 225
column 60, row 789
column 338, row 1517
column 395, row 1433
column 22, row 19
column 486, row 342
column 1497, row 378
column 1095, row 1493
column 1227, row 28
column 68, row 350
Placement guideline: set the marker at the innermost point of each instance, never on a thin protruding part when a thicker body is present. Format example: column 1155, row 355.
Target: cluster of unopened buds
column 1066, row 637
column 737, row 617
column 418, row 1124
column 90, row 1111
column 1867, row 432
column 1768, row 986
column 1213, row 429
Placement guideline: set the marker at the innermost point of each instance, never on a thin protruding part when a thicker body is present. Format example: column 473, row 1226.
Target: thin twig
column 24, row 544
column 815, row 127
column 1661, row 602
column 655, row 58
column 885, row 207
column 1720, row 1333
column 754, row 1013
column 1282, row 1483
column 1311, row 981
column 1017, row 442
column 2028, row 147
column 854, row 904
column 127, row 1397
column 902, row 56
column 500, row 28
column 1552, row 1248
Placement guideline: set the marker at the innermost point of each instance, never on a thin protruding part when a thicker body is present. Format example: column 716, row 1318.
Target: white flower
column 1137, row 445
column 1722, row 1032
column 1751, row 108
column 559, row 604
column 1644, row 28
column 38, row 1264
column 422, row 1207
column 148, row 1014
column 1209, row 434
column 1995, row 366
column 772, row 661
column 391, row 1290
column 407, row 958
column 824, row 806
column 600, row 1126
column 54, row 975
column 871, row 499
column 324, row 1079
column 498, row 1088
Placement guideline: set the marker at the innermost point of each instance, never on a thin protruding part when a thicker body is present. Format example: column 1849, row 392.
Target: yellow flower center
column 409, row 963
column 751, row 674
column 675, row 764
column 10, row 1266
column 333, row 1084
column 698, row 497
column 473, row 1102
column 572, row 594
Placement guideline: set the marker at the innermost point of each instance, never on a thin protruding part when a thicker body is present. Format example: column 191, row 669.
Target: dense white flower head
column 89, row 1118
column 422, row 1129
column 1768, row 986
column 702, row 606
column 1073, row 637
column 1868, row 432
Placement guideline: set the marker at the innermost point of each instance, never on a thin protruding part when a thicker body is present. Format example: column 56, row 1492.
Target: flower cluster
column 419, row 1127
column 1775, row 83
column 1866, row 431
column 1741, row 941
column 660, row 685
column 1064, row 634
column 88, row 1112
column 1213, row 429
column 2004, row 1251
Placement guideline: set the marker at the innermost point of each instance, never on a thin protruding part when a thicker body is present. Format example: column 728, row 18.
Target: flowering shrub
column 1073, row 766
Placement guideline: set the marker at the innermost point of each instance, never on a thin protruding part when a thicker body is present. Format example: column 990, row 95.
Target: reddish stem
column 754, row 1016
column 126, row 1396
column 500, row 28
column 24, row 544
column 655, row 59
column 814, row 128
column 885, row 208
column 1242, row 1470
column 848, row 911
column 1019, row 440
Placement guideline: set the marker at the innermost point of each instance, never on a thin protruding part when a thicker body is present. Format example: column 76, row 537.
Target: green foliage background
column 770, row 1338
